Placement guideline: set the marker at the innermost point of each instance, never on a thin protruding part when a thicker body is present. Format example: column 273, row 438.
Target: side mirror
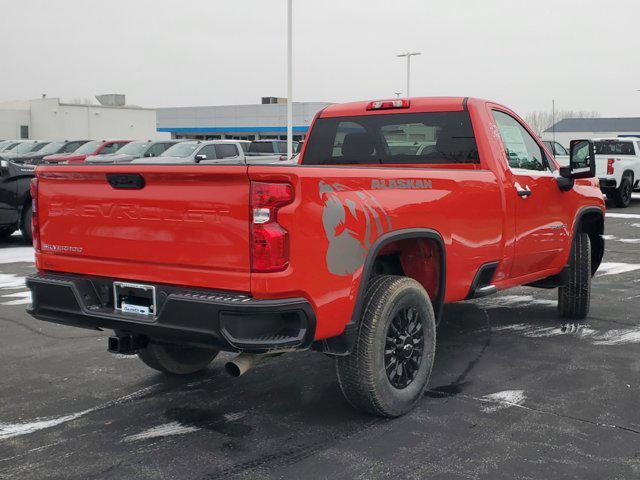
column 148, row 155
column 200, row 157
column 582, row 160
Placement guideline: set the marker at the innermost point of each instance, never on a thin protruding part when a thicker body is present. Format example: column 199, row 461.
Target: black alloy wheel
column 404, row 347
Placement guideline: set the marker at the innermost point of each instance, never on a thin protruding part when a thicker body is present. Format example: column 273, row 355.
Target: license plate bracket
column 136, row 298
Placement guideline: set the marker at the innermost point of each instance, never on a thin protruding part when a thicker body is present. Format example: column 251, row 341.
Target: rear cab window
column 614, row 147
column 393, row 139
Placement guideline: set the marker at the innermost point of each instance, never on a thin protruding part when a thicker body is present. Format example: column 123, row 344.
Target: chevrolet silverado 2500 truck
column 618, row 168
column 353, row 252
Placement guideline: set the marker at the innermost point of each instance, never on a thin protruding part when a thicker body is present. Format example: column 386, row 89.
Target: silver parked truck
column 221, row 152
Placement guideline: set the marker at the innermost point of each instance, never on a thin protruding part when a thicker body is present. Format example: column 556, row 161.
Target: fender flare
column 578, row 222
column 342, row 344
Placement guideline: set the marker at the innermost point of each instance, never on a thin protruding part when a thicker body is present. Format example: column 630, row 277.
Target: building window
column 24, row 131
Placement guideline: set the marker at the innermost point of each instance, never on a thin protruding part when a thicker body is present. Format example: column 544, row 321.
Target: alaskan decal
column 407, row 183
column 352, row 220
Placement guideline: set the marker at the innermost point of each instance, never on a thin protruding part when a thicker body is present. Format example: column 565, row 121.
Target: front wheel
column 389, row 367
column 176, row 359
column 575, row 296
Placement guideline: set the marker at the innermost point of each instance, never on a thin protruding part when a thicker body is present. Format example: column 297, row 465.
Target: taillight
column 269, row 241
column 610, row 163
column 35, row 223
column 388, row 104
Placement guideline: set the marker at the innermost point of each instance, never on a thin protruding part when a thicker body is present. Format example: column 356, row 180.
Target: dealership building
column 266, row 120
column 52, row 119
column 578, row 128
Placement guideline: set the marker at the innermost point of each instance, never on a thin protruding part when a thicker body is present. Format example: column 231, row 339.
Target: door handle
column 523, row 192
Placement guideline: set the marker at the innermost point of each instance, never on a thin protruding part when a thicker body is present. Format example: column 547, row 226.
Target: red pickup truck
column 396, row 208
column 95, row 147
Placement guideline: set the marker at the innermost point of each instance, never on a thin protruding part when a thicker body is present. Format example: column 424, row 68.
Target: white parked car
column 618, row 167
column 559, row 152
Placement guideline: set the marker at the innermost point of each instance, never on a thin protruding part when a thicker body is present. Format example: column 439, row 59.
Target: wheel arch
column 590, row 220
column 342, row 344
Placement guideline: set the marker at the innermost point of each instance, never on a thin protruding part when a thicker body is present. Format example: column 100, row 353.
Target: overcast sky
column 521, row 53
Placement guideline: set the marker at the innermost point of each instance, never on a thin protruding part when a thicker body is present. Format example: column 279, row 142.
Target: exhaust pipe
column 242, row 363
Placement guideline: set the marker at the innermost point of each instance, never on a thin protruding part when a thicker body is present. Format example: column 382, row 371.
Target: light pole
column 409, row 55
column 289, row 80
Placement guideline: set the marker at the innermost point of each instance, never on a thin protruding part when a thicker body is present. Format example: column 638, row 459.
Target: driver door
column 541, row 221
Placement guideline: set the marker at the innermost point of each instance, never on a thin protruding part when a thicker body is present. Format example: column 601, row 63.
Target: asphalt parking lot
column 515, row 393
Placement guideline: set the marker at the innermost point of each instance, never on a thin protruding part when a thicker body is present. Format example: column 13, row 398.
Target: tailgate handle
column 129, row 181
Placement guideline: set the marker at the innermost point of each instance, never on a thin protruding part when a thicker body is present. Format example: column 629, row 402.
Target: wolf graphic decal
column 352, row 220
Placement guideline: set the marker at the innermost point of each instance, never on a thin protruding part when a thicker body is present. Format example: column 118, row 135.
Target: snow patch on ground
column 621, row 336
column 535, row 331
column 515, row 301
column 623, row 240
column 614, row 268
column 622, row 215
column 168, row 429
column 501, row 400
column 22, row 298
column 17, row 254
column 9, row 430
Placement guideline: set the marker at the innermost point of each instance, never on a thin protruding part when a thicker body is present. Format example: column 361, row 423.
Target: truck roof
column 416, row 105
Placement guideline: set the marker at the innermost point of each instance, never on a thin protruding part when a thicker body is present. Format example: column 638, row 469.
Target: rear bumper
column 203, row 318
column 608, row 184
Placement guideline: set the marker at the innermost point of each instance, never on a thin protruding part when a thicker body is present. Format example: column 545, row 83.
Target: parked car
column 23, row 147
column 269, row 147
column 52, row 148
column 133, row 150
column 353, row 256
column 10, row 145
column 618, row 168
column 558, row 151
column 15, row 198
column 6, row 144
column 207, row 152
column 94, row 147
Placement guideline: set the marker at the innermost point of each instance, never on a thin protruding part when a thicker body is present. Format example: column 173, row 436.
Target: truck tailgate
column 184, row 225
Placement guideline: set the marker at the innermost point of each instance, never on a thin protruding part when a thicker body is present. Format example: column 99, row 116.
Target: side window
column 559, row 149
column 155, row 150
column 209, row 151
column 109, row 148
column 522, row 150
column 72, row 147
column 226, row 150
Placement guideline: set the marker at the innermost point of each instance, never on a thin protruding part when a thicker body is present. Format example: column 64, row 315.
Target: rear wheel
column 25, row 225
column 574, row 298
column 622, row 195
column 176, row 359
column 389, row 368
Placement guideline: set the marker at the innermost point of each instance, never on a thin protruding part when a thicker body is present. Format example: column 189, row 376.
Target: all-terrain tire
column 25, row 224
column 574, row 298
column 365, row 376
column 176, row 359
column 622, row 195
